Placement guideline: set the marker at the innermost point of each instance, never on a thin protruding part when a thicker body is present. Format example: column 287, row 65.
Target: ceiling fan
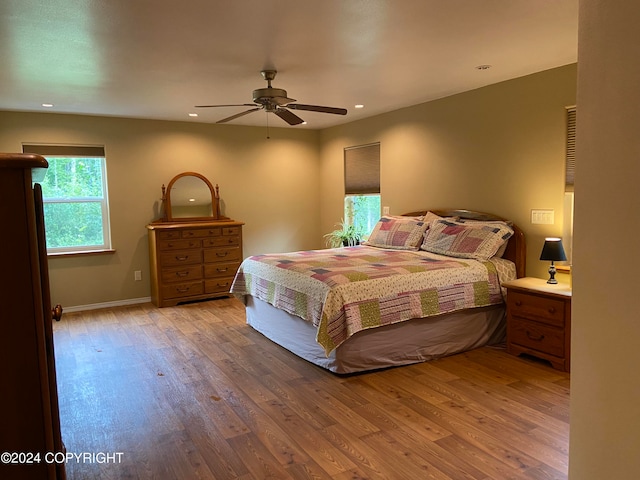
column 275, row 100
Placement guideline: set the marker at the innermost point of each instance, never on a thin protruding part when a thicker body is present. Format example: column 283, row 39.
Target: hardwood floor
column 192, row 392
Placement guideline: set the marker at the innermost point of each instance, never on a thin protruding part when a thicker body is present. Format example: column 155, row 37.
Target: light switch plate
column 385, row 210
column 543, row 216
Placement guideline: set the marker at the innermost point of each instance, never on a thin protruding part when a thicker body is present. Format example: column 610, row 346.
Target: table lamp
column 554, row 251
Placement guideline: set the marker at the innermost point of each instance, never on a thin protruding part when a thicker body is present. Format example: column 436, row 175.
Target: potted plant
column 345, row 236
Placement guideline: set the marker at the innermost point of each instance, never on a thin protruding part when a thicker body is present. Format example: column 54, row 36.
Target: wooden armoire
column 30, row 423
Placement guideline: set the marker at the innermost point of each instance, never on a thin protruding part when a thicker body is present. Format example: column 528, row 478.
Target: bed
column 425, row 285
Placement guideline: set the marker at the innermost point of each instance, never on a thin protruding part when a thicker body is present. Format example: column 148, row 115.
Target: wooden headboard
column 516, row 248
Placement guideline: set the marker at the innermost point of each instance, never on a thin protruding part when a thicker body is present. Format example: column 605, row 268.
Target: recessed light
column 47, row 105
column 483, row 67
column 359, row 106
column 193, row 114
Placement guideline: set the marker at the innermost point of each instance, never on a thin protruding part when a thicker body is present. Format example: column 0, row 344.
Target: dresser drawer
column 231, row 254
column 181, row 257
column 231, row 231
column 218, row 285
column 537, row 336
column 180, row 244
column 186, row 289
column 226, row 269
column 202, row 232
column 221, row 241
column 181, row 274
column 543, row 309
column 169, row 235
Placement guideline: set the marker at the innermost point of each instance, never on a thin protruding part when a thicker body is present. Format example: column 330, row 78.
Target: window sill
column 106, row 251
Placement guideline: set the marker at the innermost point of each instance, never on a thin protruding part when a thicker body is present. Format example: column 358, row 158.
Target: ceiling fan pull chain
column 268, row 136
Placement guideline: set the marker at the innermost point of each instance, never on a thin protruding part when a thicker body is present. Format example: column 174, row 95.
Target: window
column 74, row 190
column 362, row 186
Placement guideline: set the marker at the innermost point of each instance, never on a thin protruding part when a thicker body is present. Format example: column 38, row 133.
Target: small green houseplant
column 345, row 236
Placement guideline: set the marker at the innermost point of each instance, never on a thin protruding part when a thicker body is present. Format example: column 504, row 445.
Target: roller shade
column 570, row 162
column 64, row 150
column 362, row 169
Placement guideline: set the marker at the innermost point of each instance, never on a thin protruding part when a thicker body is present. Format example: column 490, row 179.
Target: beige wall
column 605, row 385
column 498, row 149
column 270, row 184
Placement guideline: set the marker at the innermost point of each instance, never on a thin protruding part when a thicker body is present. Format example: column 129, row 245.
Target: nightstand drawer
column 544, row 309
column 537, row 336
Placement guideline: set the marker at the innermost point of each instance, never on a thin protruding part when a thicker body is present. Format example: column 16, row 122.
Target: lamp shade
column 553, row 250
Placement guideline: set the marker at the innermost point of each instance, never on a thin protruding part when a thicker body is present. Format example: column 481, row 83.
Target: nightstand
column 539, row 320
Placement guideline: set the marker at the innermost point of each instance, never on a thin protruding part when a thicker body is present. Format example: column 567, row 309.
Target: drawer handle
column 518, row 303
column 183, row 289
column 182, row 258
column 188, row 234
column 222, row 269
column 537, row 338
column 223, row 284
column 182, row 274
column 222, row 254
column 552, row 310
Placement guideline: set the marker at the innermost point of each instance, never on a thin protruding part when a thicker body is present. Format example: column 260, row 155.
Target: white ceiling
column 158, row 58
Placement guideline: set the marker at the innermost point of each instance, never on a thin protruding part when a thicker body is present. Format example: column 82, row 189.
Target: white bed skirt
column 413, row 341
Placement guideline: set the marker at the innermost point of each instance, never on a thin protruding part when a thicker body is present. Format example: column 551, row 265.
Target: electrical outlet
column 137, row 275
column 385, row 210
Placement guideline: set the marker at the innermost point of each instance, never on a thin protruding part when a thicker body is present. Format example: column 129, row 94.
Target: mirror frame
column 215, row 200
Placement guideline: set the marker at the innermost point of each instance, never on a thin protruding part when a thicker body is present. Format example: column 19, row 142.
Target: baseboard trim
column 96, row 306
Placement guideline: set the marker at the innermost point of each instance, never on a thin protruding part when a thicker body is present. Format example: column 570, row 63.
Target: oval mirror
column 190, row 195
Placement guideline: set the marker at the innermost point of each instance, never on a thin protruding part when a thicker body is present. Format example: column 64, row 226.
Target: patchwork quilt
column 345, row 290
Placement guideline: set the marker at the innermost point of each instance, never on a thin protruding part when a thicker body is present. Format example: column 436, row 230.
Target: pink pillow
column 465, row 240
column 399, row 233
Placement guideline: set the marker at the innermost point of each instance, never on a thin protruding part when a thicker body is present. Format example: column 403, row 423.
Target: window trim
column 51, row 151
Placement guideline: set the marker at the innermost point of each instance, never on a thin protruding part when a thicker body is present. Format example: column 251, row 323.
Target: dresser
column 30, row 420
column 539, row 320
column 193, row 260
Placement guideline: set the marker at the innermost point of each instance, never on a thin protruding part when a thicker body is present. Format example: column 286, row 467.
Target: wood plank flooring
column 192, row 392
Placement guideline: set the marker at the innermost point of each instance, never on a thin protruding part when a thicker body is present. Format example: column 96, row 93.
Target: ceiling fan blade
column 241, row 114
column 317, row 108
column 287, row 116
column 235, row 105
